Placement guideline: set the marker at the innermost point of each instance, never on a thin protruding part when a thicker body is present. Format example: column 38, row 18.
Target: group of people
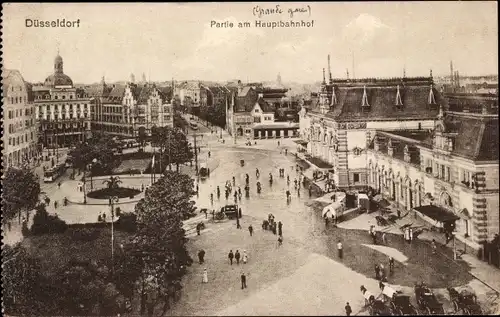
column 237, row 256
column 374, row 235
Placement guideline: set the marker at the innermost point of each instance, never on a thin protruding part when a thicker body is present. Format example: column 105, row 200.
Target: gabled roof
column 116, row 94
column 381, row 103
column 244, row 91
column 265, row 106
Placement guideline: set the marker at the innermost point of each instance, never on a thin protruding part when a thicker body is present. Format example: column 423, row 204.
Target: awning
column 437, row 213
column 301, row 142
column 465, row 213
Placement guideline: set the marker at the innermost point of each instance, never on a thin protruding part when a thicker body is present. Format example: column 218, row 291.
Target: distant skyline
column 176, row 40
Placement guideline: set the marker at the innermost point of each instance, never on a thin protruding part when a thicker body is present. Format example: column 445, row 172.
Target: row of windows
column 16, row 100
column 20, row 88
column 47, row 97
column 19, row 112
column 64, row 116
column 21, row 139
column 62, row 107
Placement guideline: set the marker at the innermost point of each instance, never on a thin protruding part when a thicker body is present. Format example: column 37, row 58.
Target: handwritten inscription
column 259, row 11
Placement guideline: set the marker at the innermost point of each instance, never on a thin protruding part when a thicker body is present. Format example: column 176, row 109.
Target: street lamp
column 94, row 161
column 112, row 201
column 454, row 246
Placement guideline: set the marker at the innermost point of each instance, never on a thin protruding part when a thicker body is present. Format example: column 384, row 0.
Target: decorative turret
column 330, row 79
column 324, row 81
column 333, row 98
column 399, row 102
column 441, row 113
column 432, row 99
column 430, row 75
column 365, row 102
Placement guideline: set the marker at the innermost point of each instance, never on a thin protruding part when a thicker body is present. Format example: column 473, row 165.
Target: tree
column 21, row 190
column 100, row 148
column 112, row 182
column 160, row 241
column 180, row 151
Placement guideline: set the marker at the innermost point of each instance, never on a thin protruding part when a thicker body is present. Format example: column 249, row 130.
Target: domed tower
column 58, row 65
column 58, row 78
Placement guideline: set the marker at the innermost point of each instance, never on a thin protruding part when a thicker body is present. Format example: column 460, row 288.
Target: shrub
column 85, row 234
column 44, row 223
column 127, row 222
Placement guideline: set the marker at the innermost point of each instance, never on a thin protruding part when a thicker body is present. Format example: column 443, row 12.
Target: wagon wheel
column 466, row 311
column 428, row 310
column 400, row 312
column 371, row 311
column 455, row 306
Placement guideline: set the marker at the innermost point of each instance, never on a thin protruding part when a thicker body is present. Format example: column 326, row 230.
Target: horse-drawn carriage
column 427, row 301
column 400, row 303
column 465, row 300
column 269, row 224
column 376, row 307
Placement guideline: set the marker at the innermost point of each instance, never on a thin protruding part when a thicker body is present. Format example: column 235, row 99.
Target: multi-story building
column 63, row 111
column 450, row 173
column 342, row 123
column 192, row 95
column 251, row 114
column 20, row 128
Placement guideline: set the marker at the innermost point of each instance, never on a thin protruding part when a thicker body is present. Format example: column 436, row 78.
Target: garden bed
column 120, row 192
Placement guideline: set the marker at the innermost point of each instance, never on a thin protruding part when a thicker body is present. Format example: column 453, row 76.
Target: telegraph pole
column 195, row 153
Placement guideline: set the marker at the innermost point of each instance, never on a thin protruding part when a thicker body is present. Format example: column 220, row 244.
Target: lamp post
column 454, row 247
column 112, row 201
column 94, row 161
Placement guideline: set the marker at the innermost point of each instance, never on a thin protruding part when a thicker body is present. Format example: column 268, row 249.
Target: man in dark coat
column 348, row 309
column 243, row 280
column 280, row 228
column 201, row 256
column 230, row 256
column 250, row 229
column 237, row 257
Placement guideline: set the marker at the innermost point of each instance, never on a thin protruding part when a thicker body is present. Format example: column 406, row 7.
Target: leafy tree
column 44, row 223
column 160, row 240
column 21, row 190
column 100, row 148
column 180, row 152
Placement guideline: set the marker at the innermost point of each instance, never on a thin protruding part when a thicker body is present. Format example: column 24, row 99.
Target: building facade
column 63, row 111
column 342, row 123
column 20, row 127
column 453, row 168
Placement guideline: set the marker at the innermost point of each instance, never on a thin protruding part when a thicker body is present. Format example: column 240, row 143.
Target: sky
column 165, row 41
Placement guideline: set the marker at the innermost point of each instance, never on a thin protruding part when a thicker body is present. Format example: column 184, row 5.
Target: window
column 355, row 177
column 10, row 141
column 63, row 97
column 442, row 170
column 448, row 174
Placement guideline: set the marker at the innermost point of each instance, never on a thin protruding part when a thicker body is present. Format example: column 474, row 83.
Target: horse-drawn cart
column 427, row 301
column 465, row 301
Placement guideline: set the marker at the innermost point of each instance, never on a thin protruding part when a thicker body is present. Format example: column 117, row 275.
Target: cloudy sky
column 177, row 40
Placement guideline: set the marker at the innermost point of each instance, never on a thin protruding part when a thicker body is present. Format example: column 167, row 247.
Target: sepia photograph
column 250, row 159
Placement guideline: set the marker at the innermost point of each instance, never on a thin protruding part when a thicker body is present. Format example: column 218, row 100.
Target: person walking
column 382, row 272
column 198, row 229
column 218, row 192
column 59, row 185
column 230, row 256
column 201, row 256
column 391, row 264
column 340, row 250
column 204, row 278
column 243, row 280
column 384, row 238
column 280, row 241
column 237, row 256
column 212, row 198
column 434, row 246
column 280, row 228
column 206, row 213
column 245, row 257
column 250, row 230
column 377, row 272
column 348, row 309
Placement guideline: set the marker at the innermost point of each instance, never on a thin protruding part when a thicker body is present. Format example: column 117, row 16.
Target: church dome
column 58, row 79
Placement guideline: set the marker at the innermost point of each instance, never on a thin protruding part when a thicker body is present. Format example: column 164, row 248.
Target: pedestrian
column 348, row 309
column 340, row 251
column 239, row 213
column 334, row 219
column 237, row 257
column 212, row 198
column 206, row 213
column 411, row 234
column 201, row 256
column 280, row 241
column 59, row 185
column 434, row 246
column 204, row 279
column 245, row 257
column 382, row 272
column 230, row 256
column 374, row 237
column 391, row 264
column 243, row 280
column 377, row 272
column 198, row 228
column 197, row 189
column 218, row 192
column 280, row 227
column 213, row 214
column 208, row 154
column 250, row 229
column 286, row 151
column 384, row 239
